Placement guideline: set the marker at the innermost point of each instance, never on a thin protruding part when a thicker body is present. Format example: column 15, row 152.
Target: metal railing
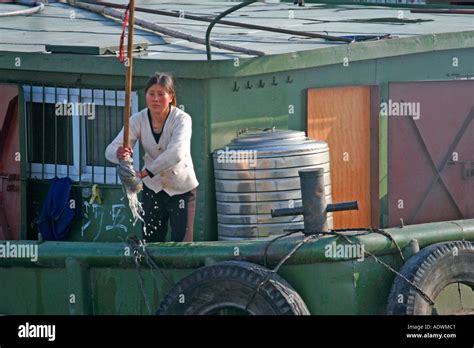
column 68, row 130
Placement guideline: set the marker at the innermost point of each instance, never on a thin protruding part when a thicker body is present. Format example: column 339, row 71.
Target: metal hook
column 289, row 79
column 274, row 83
column 236, row 88
column 261, row 84
column 242, row 131
column 249, row 85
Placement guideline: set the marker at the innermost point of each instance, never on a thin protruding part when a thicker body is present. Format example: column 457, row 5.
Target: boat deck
column 54, row 26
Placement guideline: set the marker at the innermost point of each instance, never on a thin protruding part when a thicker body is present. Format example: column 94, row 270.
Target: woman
column 169, row 181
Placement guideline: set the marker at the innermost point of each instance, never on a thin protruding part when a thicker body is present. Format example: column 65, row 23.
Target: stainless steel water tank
column 258, row 172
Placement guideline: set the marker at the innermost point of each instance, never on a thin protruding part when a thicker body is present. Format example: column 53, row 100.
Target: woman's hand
column 124, row 152
column 141, row 174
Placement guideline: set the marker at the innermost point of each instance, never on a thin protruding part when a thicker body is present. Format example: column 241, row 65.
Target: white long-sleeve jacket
column 170, row 160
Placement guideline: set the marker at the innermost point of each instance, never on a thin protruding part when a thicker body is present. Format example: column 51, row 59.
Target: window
column 43, row 135
column 67, row 131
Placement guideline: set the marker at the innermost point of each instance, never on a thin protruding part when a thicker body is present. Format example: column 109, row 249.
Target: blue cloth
column 58, row 212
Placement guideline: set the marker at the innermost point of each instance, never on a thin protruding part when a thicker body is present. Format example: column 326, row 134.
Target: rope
column 270, row 243
column 136, row 258
column 122, row 36
column 334, row 232
column 374, row 230
column 280, row 263
column 421, row 292
column 140, row 250
column 389, row 236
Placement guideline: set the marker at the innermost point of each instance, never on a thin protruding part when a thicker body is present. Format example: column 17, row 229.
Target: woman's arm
column 111, row 151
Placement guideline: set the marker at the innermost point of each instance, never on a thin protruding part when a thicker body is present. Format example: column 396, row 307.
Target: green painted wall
column 269, row 106
column 218, row 112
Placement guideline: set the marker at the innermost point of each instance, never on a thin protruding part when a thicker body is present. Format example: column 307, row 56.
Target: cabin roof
column 54, row 27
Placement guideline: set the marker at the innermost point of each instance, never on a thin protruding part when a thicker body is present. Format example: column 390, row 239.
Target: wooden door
column 340, row 116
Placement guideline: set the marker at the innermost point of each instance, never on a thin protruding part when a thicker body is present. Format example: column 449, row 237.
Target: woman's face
column 158, row 99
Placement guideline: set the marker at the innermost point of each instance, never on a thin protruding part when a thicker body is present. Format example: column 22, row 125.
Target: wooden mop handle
column 128, row 75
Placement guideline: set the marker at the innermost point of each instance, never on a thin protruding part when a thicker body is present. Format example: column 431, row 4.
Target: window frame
column 79, row 171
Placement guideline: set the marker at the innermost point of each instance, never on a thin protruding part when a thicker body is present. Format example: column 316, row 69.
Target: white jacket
column 170, row 160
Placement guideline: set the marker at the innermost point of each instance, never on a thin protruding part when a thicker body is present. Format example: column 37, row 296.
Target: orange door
column 341, row 117
column 9, row 163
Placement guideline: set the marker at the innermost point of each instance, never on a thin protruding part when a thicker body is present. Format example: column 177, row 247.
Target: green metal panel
column 102, row 275
column 322, row 285
column 79, row 294
column 27, row 291
column 117, row 291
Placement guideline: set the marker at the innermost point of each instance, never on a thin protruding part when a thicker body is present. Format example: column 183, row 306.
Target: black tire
column 231, row 284
column 431, row 269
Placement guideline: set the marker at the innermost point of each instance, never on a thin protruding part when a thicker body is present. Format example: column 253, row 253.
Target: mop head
column 131, row 185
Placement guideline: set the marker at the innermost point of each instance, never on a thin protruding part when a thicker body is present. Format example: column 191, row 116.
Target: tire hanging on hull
column 432, row 269
column 233, row 284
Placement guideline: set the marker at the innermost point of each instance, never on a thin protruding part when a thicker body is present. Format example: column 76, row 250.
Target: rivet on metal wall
column 274, row 83
column 249, row 85
column 261, row 84
column 236, row 88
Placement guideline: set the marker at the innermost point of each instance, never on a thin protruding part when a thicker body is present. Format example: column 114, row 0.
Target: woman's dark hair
column 165, row 81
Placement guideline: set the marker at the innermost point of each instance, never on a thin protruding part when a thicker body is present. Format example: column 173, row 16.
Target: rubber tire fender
column 431, row 269
column 232, row 284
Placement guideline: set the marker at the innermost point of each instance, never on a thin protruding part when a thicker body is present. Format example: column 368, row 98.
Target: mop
column 131, row 184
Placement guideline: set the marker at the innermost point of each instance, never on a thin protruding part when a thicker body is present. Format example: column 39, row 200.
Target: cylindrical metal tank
column 258, row 172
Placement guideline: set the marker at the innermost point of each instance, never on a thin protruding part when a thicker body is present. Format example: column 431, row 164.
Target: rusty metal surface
column 430, row 153
column 9, row 163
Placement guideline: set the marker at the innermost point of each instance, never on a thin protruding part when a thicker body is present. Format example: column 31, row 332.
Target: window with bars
column 68, row 129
